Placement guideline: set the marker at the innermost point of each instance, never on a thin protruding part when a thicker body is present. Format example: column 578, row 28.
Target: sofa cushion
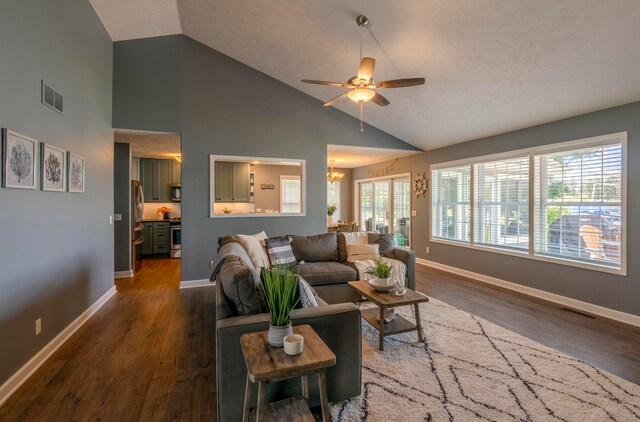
column 359, row 252
column 256, row 248
column 280, row 252
column 330, row 272
column 386, row 241
column 317, row 248
column 239, row 286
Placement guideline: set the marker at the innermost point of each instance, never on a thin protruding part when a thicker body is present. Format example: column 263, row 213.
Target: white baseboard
column 123, row 274
column 188, row 284
column 541, row 294
column 23, row 374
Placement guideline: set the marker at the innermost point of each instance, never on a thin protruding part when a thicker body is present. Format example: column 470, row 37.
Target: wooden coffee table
column 390, row 300
column 267, row 364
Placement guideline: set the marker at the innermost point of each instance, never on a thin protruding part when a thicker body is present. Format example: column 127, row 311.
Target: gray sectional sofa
column 336, row 320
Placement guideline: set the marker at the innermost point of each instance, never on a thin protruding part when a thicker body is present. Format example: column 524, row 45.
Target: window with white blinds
column 451, row 203
column 290, row 195
column 501, row 203
column 564, row 202
column 578, row 204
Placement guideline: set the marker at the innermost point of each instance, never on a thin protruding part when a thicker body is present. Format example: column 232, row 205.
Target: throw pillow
column 240, row 286
column 317, row 248
column 306, row 294
column 359, row 252
column 386, row 241
column 280, row 252
column 256, row 249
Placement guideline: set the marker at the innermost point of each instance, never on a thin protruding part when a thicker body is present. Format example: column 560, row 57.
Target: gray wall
column 612, row 291
column 270, row 175
column 220, row 106
column 56, row 252
column 121, row 205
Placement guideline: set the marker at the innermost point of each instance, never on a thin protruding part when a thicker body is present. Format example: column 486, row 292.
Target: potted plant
column 279, row 290
column 381, row 271
column 331, row 209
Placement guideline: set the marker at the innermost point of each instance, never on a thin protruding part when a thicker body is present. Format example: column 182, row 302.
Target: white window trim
column 610, row 139
column 289, row 177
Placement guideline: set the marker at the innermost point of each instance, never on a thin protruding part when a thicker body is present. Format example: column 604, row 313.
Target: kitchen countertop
column 154, row 220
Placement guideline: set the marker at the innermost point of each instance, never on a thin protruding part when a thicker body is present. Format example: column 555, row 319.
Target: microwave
column 176, row 192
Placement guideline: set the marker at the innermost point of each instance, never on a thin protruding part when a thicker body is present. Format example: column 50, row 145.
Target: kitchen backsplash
column 151, row 209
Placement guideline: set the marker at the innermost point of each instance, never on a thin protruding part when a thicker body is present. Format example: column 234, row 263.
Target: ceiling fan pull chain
column 361, row 112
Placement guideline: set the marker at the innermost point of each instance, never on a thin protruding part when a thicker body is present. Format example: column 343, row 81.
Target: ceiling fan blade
column 399, row 83
column 365, row 71
column 338, row 84
column 380, row 100
column 332, row 101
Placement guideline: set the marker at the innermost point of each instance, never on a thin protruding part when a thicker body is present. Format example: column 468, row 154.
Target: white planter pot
column 383, row 281
column 329, row 220
column 276, row 335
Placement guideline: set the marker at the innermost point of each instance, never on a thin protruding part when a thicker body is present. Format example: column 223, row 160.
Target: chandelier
column 333, row 176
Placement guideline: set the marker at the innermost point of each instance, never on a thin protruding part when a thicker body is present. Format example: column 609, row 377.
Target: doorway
column 384, row 205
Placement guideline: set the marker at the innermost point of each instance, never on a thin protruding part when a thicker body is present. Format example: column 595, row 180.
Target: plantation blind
column 450, row 205
column 578, row 204
column 501, row 208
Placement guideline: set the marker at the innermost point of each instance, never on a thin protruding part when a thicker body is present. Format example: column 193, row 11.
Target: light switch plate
column 413, row 213
column 117, row 217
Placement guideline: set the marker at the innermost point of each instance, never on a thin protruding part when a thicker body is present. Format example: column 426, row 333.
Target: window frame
column 596, row 141
column 284, row 177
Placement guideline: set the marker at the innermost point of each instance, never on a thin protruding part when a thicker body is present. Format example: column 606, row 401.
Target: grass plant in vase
column 279, row 287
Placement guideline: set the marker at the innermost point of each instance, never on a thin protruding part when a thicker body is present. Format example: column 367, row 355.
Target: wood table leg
column 324, row 400
column 418, row 323
column 305, row 388
column 262, row 401
column 381, row 330
column 247, row 400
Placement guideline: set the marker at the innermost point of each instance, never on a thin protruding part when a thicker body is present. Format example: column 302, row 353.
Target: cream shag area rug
column 469, row 369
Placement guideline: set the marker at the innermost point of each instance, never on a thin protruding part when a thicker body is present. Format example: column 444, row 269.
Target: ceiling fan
column 362, row 86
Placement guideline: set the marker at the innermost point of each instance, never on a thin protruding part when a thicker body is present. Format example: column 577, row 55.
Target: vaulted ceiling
column 491, row 66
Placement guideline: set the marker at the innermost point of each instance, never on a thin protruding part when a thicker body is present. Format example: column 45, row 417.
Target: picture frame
column 54, row 169
column 75, row 173
column 19, row 160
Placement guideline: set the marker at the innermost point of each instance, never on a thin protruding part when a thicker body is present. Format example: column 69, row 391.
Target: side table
column 267, row 364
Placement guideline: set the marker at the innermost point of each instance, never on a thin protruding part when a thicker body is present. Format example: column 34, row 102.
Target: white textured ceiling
column 150, row 144
column 491, row 65
column 350, row 157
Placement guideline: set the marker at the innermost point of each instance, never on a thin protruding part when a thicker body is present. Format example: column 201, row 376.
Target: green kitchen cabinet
column 147, row 234
column 231, row 182
column 156, row 177
column 176, row 176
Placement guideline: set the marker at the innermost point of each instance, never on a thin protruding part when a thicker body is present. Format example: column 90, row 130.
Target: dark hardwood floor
column 148, row 354
column 601, row 342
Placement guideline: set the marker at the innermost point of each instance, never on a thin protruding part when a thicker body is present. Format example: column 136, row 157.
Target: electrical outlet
column 427, row 249
column 38, row 326
column 413, row 213
column 117, row 217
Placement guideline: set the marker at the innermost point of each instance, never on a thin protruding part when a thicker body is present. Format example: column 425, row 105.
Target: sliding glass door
column 385, row 207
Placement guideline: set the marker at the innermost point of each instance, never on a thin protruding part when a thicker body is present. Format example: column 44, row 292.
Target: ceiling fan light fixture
column 361, row 94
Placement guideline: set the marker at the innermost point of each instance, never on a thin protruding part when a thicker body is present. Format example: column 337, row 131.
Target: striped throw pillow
column 280, row 252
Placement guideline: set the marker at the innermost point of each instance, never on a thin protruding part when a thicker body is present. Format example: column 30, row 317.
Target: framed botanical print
column 75, row 173
column 54, row 168
column 19, row 158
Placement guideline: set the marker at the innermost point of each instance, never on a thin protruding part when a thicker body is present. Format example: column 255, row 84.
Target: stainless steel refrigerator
column 137, row 208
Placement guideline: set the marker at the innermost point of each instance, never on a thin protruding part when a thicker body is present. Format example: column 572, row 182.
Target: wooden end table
column 267, row 364
column 390, row 300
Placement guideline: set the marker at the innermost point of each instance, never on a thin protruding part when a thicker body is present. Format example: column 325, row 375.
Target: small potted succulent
column 279, row 289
